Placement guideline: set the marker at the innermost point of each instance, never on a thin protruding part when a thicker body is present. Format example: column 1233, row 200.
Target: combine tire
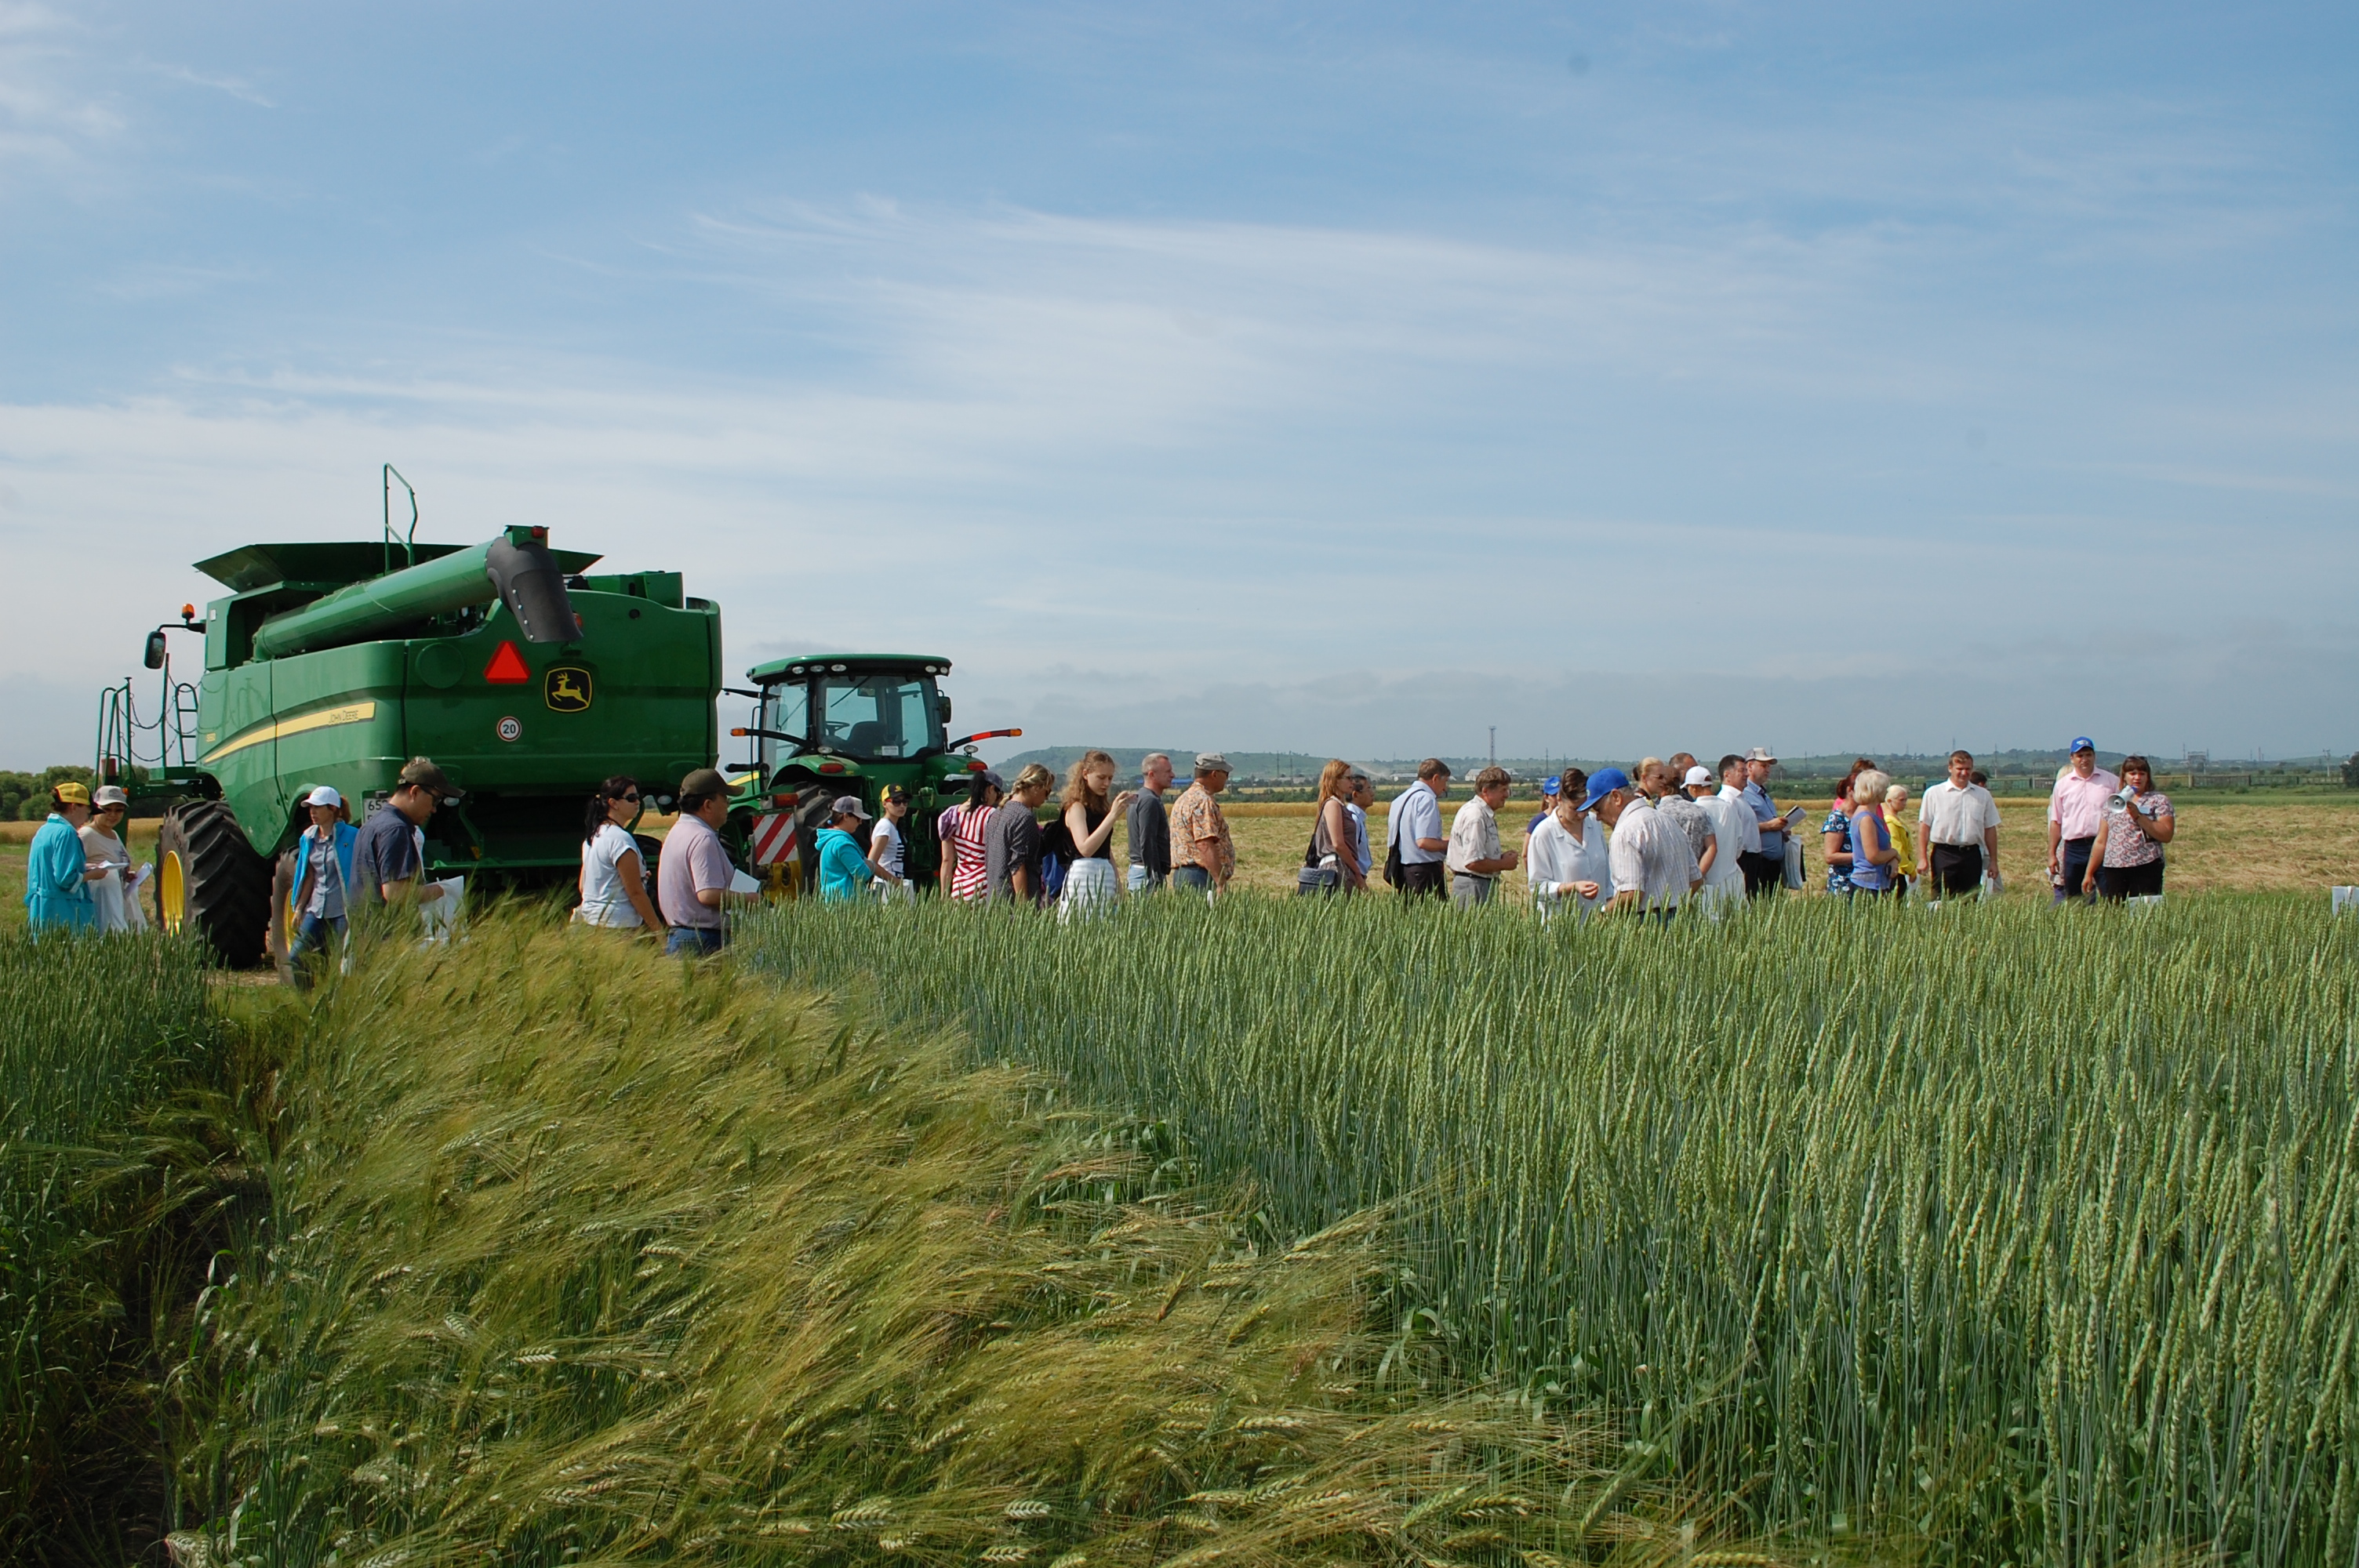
column 209, row 882
column 281, row 940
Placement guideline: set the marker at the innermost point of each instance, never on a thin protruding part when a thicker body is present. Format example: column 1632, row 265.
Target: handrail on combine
column 119, row 756
column 409, row 546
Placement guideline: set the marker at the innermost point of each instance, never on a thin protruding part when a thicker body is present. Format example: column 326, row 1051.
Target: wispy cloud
column 234, row 87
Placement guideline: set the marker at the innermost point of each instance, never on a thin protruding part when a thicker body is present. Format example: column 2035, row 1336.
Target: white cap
column 1698, row 775
column 323, row 795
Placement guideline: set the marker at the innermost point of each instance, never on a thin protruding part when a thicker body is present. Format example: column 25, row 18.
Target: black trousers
column 1957, row 869
column 1762, row 874
column 1425, row 879
column 2116, row 883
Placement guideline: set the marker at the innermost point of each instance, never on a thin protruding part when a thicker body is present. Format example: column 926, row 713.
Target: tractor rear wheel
column 211, row 883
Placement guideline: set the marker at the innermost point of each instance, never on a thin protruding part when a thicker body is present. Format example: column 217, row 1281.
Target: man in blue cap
column 1548, row 788
column 1653, row 868
column 2075, row 809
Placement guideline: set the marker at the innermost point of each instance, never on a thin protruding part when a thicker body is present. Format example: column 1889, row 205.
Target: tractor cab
column 835, row 724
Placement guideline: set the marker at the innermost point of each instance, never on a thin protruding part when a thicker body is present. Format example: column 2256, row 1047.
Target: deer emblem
column 566, row 689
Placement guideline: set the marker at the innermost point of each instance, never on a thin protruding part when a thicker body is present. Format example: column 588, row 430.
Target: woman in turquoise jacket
column 318, row 903
column 57, row 873
column 844, row 868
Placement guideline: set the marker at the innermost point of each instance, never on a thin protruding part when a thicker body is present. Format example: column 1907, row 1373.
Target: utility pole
column 1494, row 745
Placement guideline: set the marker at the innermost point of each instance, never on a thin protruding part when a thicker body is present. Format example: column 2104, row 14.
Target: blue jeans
column 2075, row 859
column 311, row 933
column 1193, row 879
column 1138, row 879
column 694, row 941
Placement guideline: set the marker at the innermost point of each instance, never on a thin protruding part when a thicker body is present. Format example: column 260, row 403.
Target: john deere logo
column 566, row 688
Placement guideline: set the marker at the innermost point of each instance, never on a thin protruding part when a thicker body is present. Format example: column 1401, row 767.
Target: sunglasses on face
column 628, row 799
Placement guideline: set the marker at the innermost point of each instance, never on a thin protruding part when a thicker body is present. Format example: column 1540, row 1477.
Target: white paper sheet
column 739, row 882
column 441, row 915
column 140, row 874
column 2345, row 899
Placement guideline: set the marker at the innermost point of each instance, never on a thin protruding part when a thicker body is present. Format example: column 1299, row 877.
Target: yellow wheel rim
column 172, row 892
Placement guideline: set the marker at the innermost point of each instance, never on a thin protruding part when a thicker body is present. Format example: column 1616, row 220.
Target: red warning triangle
column 508, row 667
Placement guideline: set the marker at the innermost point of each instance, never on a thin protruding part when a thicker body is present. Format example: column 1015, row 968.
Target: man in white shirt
column 1957, row 832
column 1413, row 827
column 2074, row 811
column 1724, row 872
column 1734, row 776
column 1474, row 857
column 1652, row 866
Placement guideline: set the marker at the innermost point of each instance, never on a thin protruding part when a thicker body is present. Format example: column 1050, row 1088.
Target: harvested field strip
column 2025, row 1233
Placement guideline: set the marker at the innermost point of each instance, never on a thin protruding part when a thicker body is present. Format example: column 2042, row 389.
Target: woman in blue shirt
column 320, row 903
column 844, row 868
column 58, row 874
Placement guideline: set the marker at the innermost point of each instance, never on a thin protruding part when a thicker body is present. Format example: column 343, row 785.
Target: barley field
column 579, row 1255
column 2025, row 1235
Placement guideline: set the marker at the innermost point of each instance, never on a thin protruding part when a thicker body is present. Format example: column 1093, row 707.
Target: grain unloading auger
column 528, row 680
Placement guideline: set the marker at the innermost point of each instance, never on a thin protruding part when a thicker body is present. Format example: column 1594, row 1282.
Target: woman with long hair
column 1331, row 863
column 1089, row 817
column 614, row 880
column 964, row 831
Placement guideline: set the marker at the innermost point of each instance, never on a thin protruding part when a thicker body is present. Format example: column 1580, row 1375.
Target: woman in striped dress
column 964, row 832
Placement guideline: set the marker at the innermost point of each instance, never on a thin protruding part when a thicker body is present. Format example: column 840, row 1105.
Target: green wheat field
column 1273, row 1232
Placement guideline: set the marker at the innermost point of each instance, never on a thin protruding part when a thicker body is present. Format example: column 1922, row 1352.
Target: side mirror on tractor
column 942, row 709
column 154, row 655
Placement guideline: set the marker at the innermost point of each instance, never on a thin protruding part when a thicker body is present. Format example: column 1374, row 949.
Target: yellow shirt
column 1904, row 846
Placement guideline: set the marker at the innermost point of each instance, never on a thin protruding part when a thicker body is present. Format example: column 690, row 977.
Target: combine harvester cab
column 836, row 724
column 527, row 680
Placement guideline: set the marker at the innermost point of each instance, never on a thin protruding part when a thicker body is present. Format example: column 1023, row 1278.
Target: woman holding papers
column 114, row 897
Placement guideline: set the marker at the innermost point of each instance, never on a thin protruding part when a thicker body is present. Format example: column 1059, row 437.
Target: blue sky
column 1344, row 379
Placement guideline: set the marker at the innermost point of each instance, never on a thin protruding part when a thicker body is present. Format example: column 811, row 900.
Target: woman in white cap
column 321, row 900
column 115, row 903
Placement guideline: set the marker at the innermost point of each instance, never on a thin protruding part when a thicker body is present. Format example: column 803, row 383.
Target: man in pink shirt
column 2074, row 811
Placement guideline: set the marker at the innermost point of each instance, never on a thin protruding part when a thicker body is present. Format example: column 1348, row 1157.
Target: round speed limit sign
column 509, row 729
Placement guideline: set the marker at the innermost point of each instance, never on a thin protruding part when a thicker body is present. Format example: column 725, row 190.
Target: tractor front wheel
column 211, row 883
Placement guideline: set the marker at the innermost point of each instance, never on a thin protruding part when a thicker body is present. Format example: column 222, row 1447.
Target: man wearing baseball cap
column 1203, row 856
column 843, row 868
column 319, row 904
column 1652, row 867
column 694, row 873
column 388, row 865
column 2075, row 808
column 1765, row 868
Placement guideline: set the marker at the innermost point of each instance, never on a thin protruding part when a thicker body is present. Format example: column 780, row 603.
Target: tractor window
column 876, row 716
column 785, row 709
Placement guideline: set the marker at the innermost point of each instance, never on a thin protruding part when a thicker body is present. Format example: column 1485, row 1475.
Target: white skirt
column 1088, row 890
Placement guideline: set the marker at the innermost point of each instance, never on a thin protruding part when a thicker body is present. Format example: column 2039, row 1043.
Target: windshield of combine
column 865, row 716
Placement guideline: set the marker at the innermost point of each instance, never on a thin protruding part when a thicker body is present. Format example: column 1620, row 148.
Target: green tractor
column 834, row 724
column 525, row 679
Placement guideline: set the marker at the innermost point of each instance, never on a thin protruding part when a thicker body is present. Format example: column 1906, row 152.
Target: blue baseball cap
column 1602, row 783
column 2083, row 743
column 1551, row 783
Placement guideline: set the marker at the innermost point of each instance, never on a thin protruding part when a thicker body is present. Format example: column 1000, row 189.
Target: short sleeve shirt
column 385, row 851
column 2078, row 805
column 1957, row 817
column 1689, row 817
column 1417, row 814
column 2126, row 842
column 1473, row 836
column 1014, row 839
column 692, row 862
column 1650, row 857
column 1764, row 812
column 1196, row 819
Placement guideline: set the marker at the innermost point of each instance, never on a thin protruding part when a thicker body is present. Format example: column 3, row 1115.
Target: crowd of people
column 1670, row 834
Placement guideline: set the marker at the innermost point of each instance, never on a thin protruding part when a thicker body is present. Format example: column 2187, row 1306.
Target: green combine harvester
column 836, row 724
column 527, row 679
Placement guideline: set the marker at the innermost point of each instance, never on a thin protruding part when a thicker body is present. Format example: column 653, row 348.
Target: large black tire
column 209, row 882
